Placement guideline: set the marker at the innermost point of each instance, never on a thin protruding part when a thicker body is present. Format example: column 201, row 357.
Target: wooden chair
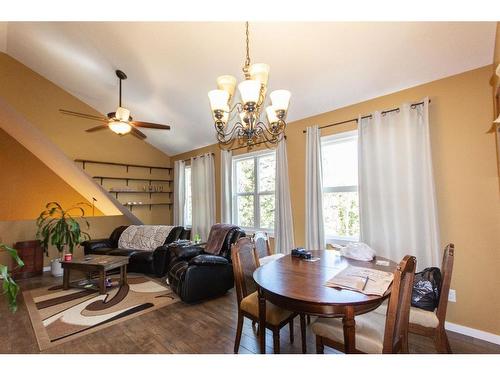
column 375, row 332
column 245, row 261
column 431, row 323
column 261, row 242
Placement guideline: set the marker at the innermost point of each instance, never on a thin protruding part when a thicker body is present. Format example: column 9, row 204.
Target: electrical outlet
column 452, row 295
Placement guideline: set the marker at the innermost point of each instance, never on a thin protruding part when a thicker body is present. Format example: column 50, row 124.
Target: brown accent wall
column 27, row 184
column 464, row 160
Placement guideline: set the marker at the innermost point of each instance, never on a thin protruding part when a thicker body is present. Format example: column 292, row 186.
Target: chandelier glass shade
column 242, row 121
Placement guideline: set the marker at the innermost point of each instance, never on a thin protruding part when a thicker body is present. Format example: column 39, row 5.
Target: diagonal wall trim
column 43, row 148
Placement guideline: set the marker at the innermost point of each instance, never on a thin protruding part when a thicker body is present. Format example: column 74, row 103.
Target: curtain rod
column 413, row 106
column 199, row 156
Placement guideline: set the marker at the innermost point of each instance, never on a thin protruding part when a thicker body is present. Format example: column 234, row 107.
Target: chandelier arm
column 280, row 127
column 236, row 127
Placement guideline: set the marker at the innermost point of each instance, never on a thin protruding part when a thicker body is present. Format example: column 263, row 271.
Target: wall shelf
column 132, row 205
column 139, row 192
column 150, row 167
column 127, row 179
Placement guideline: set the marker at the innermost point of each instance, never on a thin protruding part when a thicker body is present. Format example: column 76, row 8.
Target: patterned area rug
column 60, row 315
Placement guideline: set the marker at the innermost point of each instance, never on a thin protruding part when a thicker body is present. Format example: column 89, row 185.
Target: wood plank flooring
column 208, row 327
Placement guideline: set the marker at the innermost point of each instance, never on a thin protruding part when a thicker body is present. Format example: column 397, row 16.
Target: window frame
column 339, row 138
column 256, row 194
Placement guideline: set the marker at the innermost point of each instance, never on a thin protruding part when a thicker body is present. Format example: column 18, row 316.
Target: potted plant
column 59, row 228
column 9, row 286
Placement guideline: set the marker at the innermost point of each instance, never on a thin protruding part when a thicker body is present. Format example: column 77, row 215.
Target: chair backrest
column 245, row 262
column 398, row 311
column 446, row 272
column 231, row 238
column 261, row 241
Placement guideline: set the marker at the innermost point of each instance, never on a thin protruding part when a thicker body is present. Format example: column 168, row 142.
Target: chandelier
column 248, row 128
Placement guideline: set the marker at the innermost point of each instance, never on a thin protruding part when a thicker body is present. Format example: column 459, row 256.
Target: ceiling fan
column 120, row 121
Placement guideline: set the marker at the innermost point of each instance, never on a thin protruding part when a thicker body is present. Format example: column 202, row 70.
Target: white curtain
column 179, row 193
column 226, row 196
column 398, row 210
column 283, row 221
column 315, row 231
column 203, row 195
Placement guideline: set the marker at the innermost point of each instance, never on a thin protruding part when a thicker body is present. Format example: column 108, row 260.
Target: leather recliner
column 195, row 275
column 149, row 262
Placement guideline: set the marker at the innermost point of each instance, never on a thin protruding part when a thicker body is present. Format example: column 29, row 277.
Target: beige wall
column 466, row 181
column 496, row 56
column 25, row 230
column 39, row 100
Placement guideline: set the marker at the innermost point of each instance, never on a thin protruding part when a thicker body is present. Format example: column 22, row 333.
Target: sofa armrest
column 208, row 260
column 161, row 260
column 184, row 252
column 96, row 244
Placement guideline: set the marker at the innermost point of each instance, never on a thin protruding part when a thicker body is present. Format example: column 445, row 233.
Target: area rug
column 58, row 315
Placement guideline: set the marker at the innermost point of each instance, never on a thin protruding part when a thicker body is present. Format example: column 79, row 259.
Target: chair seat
column 270, row 258
column 418, row 316
column 369, row 331
column 423, row 318
column 274, row 314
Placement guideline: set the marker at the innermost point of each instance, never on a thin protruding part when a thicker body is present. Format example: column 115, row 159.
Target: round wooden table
column 299, row 286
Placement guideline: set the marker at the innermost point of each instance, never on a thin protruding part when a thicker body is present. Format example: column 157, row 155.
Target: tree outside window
column 253, row 191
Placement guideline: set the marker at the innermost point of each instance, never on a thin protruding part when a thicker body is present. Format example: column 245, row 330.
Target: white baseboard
column 472, row 332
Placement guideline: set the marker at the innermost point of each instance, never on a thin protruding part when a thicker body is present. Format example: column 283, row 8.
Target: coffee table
column 96, row 263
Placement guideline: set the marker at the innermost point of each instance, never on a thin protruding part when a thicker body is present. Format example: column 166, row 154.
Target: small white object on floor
column 382, row 263
column 358, row 251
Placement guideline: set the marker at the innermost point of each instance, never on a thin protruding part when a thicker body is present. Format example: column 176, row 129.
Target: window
column 340, row 186
column 188, row 211
column 253, row 191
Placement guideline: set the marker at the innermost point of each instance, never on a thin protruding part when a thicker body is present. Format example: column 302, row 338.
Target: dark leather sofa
column 149, row 262
column 195, row 275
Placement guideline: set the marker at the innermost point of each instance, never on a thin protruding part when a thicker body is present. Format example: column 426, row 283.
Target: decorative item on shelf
column 60, row 228
column 248, row 128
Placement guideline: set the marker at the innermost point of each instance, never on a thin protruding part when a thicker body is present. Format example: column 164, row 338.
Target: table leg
column 65, row 278
column 102, row 282
column 262, row 321
column 123, row 275
column 349, row 330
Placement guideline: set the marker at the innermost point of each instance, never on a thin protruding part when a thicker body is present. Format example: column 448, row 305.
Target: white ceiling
column 172, row 65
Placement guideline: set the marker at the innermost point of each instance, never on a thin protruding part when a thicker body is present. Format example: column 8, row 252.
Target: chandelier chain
column 247, row 59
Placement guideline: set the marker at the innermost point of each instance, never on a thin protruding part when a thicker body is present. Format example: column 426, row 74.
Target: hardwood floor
column 208, row 327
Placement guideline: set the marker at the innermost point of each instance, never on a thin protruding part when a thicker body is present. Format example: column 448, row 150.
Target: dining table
column 298, row 285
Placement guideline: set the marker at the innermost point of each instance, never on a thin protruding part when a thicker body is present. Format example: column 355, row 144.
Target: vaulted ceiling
column 172, row 65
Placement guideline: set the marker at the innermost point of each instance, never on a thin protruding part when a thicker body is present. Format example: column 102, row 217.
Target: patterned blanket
column 144, row 237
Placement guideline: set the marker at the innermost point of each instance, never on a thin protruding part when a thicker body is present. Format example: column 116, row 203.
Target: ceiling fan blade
column 149, row 125
column 96, row 128
column 83, row 115
column 138, row 134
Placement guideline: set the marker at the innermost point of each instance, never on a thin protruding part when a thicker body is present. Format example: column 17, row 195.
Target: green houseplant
column 59, row 227
column 9, row 286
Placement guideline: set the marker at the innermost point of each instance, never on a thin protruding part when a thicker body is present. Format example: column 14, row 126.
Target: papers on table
column 364, row 280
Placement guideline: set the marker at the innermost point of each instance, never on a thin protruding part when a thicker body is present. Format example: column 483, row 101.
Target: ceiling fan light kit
column 249, row 129
column 119, row 122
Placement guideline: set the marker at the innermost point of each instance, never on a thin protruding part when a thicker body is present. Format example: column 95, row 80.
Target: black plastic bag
column 427, row 289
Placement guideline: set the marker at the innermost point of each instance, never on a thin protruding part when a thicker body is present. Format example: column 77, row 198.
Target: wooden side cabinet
column 31, row 253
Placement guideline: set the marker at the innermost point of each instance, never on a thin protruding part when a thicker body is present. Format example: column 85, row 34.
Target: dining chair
column 375, row 332
column 245, row 261
column 431, row 323
column 261, row 241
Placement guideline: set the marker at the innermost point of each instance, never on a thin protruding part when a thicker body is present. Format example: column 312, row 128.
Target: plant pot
column 56, row 268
